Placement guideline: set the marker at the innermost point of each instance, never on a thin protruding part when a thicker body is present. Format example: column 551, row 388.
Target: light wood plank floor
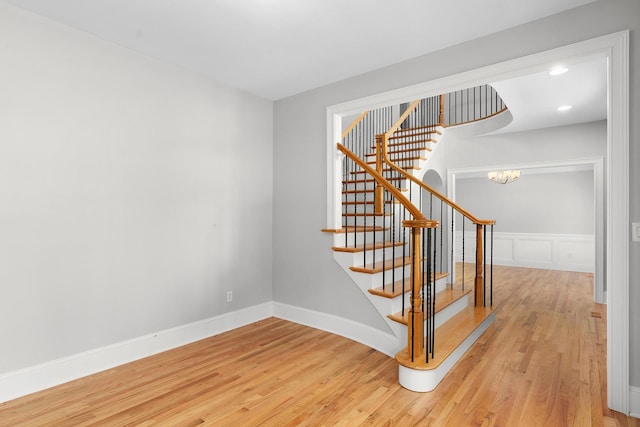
column 542, row 363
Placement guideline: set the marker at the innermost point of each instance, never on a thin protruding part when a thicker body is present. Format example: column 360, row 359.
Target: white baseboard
column 39, row 377
column 385, row 343
column 634, row 401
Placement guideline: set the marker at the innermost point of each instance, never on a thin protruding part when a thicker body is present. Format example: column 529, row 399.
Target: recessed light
column 565, row 107
column 557, row 71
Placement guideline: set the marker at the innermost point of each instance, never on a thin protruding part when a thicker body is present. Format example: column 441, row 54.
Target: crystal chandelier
column 505, row 176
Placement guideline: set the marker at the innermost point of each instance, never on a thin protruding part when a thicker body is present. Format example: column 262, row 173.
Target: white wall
column 566, row 252
column 304, row 272
column 133, row 194
column 586, row 140
column 543, row 220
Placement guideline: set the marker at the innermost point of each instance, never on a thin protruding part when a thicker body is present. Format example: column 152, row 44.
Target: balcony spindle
column 479, row 282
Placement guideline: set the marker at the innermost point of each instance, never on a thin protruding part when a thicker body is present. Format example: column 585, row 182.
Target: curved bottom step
column 422, row 377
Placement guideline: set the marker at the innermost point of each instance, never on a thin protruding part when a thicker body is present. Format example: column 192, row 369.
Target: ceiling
column 533, row 99
column 277, row 48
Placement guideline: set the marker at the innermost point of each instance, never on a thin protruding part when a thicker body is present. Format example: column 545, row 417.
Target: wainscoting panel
column 570, row 252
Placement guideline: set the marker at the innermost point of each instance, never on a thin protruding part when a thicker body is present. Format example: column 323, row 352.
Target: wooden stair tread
column 368, row 190
column 431, row 129
column 444, row 299
column 448, row 337
column 359, row 202
column 366, row 214
column 370, row 180
column 395, row 289
column 351, row 229
column 409, row 134
column 367, row 247
column 379, row 266
column 401, row 159
column 417, row 141
column 383, row 170
column 365, row 202
column 404, row 150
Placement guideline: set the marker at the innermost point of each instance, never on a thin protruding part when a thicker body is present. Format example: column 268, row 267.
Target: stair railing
column 378, row 216
column 481, row 293
column 397, row 214
column 470, row 105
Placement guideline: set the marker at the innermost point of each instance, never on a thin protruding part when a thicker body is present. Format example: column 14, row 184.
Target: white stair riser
column 441, row 284
column 369, row 196
column 369, row 185
column 406, row 163
column 395, row 304
column 368, row 257
column 378, row 221
column 360, row 185
column 368, row 281
column 362, row 207
column 344, row 240
column 401, row 157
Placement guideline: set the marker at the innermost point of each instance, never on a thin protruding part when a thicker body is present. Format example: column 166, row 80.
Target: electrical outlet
column 635, row 231
column 229, row 296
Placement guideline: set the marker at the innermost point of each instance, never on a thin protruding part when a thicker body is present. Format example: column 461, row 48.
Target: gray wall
column 550, row 203
column 133, row 194
column 304, row 273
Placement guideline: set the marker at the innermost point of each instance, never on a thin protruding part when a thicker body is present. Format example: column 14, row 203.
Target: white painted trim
column 39, row 377
column 334, row 166
column 599, row 209
column 49, row 374
column 427, row 380
column 383, row 342
column 617, row 266
column 634, row 401
column 567, row 252
column 615, row 47
column 596, row 164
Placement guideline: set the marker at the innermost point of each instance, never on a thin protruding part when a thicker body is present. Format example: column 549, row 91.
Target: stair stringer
column 427, row 380
column 386, row 306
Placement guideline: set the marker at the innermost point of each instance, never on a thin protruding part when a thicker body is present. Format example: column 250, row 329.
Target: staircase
column 394, row 253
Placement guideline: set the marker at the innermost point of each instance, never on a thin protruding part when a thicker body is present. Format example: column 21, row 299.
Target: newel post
column 415, row 321
column 441, row 115
column 479, row 282
column 381, row 145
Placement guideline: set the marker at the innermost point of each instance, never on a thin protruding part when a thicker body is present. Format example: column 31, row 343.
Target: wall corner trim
column 634, row 401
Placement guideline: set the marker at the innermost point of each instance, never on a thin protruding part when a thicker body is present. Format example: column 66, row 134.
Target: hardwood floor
column 542, row 363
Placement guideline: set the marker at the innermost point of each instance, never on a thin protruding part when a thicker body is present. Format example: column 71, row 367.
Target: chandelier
column 505, row 176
